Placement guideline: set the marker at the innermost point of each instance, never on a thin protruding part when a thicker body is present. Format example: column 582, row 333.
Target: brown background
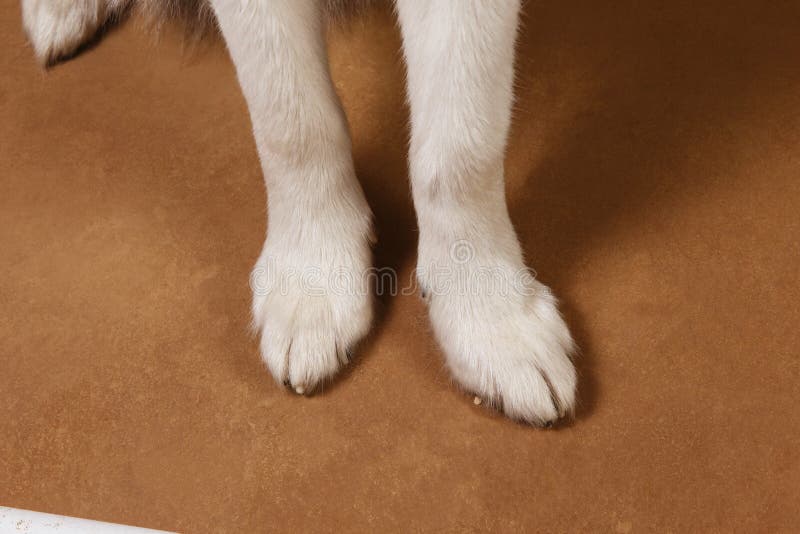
column 652, row 175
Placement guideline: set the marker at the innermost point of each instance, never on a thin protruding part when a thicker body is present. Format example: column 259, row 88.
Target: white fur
column 504, row 346
column 319, row 221
column 56, row 28
column 510, row 347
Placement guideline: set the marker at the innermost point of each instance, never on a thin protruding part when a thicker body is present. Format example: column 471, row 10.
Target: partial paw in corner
column 58, row 28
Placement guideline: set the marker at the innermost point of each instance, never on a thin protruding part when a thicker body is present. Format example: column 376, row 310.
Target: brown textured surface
column 653, row 175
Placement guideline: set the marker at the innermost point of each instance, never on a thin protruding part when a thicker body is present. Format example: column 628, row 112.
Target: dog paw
column 512, row 351
column 57, row 28
column 310, row 312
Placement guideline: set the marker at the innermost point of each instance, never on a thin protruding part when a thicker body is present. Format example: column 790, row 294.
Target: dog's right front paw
column 311, row 313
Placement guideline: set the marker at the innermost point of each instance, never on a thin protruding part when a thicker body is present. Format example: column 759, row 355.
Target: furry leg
column 311, row 300
column 502, row 335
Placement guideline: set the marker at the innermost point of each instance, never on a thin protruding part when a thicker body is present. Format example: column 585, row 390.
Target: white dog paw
column 310, row 313
column 512, row 351
column 56, row 28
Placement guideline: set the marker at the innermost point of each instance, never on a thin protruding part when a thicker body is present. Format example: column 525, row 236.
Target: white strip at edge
column 16, row 521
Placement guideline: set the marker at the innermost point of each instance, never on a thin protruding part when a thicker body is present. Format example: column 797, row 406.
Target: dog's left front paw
column 512, row 351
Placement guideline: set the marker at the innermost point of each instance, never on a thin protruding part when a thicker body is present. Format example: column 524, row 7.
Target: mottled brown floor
column 654, row 177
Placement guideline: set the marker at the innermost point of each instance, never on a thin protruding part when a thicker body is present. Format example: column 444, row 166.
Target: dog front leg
column 311, row 302
column 502, row 335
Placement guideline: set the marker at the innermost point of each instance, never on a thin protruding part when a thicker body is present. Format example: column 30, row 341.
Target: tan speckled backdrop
column 654, row 178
